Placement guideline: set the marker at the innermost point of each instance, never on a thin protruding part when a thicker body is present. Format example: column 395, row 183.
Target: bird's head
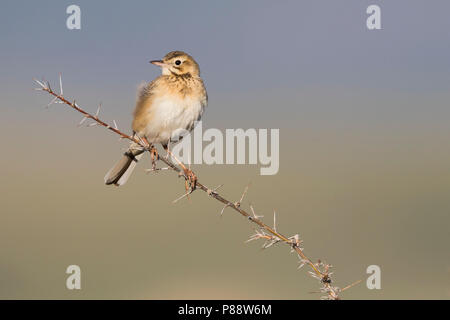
column 178, row 63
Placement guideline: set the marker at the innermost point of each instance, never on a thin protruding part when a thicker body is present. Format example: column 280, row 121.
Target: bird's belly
column 172, row 117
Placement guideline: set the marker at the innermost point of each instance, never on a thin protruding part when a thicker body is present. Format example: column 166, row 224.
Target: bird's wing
column 142, row 87
column 145, row 93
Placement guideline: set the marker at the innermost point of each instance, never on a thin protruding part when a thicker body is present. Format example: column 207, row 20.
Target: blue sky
column 240, row 45
column 299, row 57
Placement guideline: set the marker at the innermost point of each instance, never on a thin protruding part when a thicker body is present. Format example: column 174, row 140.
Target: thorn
column 51, row 102
column 156, row 169
column 213, row 191
column 98, row 110
column 183, row 196
column 274, row 221
column 92, row 124
column 40, row 83
column 223, row 209
column 351, row 285
column 254, row 214
column 238, row 204
column 268, row 245
column 302, row 263
column 314, row 275
column 257, row 235
column 115, row 125
column 60, row 85
column 82, row 121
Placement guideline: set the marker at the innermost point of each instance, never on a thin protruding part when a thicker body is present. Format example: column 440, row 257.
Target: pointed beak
column 158, row 63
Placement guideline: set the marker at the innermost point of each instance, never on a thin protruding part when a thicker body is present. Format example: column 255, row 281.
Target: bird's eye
column 178, row 62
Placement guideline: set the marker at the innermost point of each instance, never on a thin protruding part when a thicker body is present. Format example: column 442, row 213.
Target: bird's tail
column 122, row 170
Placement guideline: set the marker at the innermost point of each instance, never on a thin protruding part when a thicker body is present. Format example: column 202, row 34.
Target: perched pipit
column 166, row 108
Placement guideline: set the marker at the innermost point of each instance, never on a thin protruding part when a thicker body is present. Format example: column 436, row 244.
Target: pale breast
column 170, row 116
column 168, row 106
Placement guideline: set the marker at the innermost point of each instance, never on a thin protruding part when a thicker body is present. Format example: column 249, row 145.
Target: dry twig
column 319, row 270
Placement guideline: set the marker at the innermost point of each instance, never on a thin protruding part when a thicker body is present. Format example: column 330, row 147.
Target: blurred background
column 364, row 149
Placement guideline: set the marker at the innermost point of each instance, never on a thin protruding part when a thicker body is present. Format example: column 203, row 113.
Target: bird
column 166, row 107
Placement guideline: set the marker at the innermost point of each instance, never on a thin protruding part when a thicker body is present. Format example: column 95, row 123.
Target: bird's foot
column 154, row 156
column 191, row 180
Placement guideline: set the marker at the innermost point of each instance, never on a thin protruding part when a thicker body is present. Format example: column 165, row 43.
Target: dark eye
column 178, row 62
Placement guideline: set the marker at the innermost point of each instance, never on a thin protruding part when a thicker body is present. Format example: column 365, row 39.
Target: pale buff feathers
column 168, row 104
column 166, row 108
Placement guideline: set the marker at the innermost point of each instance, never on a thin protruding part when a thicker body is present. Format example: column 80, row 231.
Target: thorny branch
column 319, row 270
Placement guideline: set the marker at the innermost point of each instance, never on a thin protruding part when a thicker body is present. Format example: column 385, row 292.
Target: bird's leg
column 167, row 148
column 190, row 176
column 153, row 154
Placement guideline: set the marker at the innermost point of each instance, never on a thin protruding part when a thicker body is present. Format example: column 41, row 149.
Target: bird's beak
column 159, row 63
